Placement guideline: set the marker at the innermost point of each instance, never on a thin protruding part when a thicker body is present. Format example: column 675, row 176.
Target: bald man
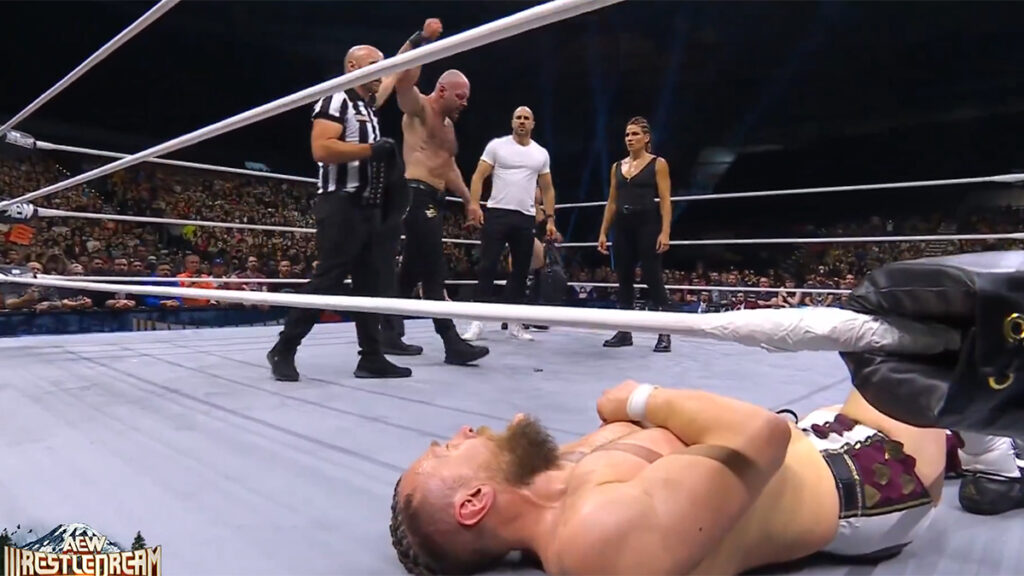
column 358, row 212
column 429, row 150
column 517, row 165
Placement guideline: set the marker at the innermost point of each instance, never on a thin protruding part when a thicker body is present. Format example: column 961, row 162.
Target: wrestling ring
column 185, row 436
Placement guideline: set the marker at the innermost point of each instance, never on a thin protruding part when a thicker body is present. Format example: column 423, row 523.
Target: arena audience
column 96, row 247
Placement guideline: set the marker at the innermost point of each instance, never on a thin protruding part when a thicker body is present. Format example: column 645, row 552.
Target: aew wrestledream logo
column 78, row 550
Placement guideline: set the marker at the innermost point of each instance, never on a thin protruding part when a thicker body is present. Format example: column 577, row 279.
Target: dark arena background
column 185, row 436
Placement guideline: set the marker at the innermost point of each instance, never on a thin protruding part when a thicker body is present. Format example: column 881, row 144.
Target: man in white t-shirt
column 517, row 166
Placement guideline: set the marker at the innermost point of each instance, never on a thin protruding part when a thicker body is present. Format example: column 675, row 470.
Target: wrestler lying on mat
column 713, row 485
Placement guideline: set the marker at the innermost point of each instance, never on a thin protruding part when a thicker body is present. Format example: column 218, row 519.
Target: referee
column 356, row 201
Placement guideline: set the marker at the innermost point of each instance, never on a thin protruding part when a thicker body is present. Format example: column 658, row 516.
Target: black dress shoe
column 282, row 364
column 399, row 348
column 619, row 340
column 664, row 343
column 377, row 366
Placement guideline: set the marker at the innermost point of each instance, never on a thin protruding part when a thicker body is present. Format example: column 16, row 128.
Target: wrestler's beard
column 527, row 450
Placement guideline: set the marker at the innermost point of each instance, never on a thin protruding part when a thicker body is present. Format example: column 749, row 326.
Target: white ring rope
column 526, row 20
column 179, row 163
column 1004, row 178
column 125, row 35
column 784, row 329
column 197, row 280
column 829, row 240
column 52, row 213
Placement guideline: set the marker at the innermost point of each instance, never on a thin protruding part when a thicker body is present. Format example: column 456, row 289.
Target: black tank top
column 638, row 192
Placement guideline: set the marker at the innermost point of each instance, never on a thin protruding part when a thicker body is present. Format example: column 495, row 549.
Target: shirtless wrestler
column 710, row 485
column 429, row 150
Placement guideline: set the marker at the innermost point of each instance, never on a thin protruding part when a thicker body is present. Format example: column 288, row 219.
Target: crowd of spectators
column 98, row 247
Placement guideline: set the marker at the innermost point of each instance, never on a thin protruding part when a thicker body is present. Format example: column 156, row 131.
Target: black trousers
column 423, row 258
column 517, row 230
column 347, row 239
column 636, row 240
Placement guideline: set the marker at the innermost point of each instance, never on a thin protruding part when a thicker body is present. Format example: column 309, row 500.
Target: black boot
column 459, row 352
column 991, row 495
column 395, row 347
column 282, row 363
column 620, row 339
column 377, row 366
column 664, row 343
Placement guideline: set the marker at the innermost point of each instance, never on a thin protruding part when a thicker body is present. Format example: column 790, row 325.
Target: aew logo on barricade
column 78, row 550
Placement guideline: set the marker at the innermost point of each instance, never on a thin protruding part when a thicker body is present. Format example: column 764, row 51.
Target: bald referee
column 356, row 207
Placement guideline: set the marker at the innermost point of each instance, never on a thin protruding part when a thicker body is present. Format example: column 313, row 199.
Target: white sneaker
column 474, row 332
column 518, row 332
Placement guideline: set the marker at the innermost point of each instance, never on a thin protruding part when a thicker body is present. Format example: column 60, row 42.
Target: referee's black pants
column 517, row 230
column 423, row 258
column 348, row 237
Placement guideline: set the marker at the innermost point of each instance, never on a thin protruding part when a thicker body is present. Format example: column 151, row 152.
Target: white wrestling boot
column 518, row 332
column 476, row 330
column 992, row 482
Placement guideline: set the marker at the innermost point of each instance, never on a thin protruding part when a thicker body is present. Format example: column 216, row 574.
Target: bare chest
column 618, row 452
column 437, row 134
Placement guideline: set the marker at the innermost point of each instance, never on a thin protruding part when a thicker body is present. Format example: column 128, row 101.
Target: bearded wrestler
column 673, row 482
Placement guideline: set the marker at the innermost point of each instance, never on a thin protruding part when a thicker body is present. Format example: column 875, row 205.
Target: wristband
column 417, row 40
column 636, row 405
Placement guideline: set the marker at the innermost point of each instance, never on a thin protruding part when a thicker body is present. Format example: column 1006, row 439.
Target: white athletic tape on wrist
column 636, row 405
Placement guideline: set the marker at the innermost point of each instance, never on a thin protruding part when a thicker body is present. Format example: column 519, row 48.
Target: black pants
column 392, row 327
column 636, row 240
column 517, row 230
column 347, row 240
column 423, row 259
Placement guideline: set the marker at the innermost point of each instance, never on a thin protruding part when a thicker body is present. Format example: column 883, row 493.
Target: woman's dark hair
column 641, row 123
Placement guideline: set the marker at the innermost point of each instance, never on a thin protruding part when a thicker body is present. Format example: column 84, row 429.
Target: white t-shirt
column 516, row 169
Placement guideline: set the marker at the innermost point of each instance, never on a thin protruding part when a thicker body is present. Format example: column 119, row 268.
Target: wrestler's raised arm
column 431, row 31
column 675, row 512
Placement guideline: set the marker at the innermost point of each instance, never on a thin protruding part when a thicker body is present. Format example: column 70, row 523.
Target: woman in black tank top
column 642, row 225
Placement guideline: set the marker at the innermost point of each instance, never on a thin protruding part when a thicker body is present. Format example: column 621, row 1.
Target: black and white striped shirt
column 359, row 124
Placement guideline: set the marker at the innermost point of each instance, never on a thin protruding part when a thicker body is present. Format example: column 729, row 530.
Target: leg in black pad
column 978, row 388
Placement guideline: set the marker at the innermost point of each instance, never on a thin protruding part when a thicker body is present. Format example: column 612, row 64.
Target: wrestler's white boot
column 476, row 330
column 992, row 481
